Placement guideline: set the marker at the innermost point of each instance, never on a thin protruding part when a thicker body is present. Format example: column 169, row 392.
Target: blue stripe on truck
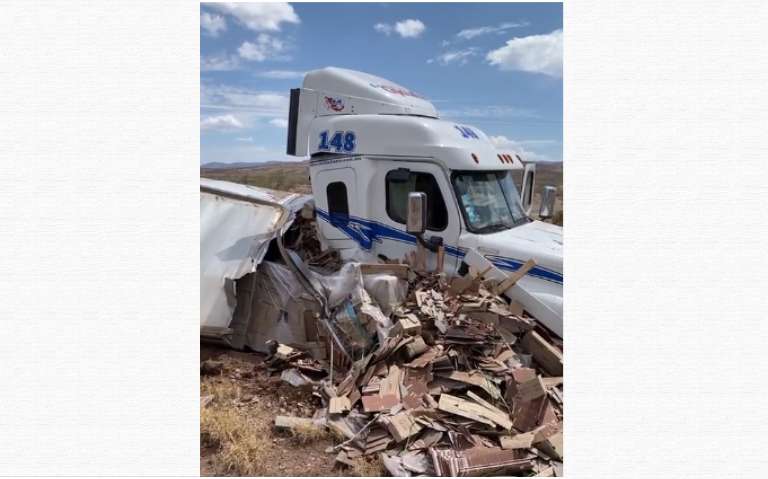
column 364, row 232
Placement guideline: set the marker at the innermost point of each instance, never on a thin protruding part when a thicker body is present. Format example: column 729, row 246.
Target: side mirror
column 526, row 193
column 547, row 207
column 417, row 213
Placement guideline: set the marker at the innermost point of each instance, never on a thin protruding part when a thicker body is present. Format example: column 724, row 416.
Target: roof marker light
column 474, row 157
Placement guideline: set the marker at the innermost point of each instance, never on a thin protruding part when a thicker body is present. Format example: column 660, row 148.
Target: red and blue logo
column 335, row 104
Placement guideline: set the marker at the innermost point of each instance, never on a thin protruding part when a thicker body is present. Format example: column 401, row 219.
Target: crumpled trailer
column 237, row 224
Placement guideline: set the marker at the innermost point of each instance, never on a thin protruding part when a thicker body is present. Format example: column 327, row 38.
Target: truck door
column 398, row 178
column 337, row 202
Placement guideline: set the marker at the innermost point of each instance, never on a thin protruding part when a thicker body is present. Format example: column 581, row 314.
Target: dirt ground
column 237, row 434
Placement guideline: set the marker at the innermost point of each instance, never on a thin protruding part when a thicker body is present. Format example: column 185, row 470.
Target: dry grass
column 241, row 444
column 368, row 467
column 308, row 434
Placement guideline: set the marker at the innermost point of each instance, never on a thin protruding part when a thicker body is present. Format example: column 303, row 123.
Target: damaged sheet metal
column 237, row 222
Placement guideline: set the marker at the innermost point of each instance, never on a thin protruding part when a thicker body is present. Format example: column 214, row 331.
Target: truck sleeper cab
column 372, row 142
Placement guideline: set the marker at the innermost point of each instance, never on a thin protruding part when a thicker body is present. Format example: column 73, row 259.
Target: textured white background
column 665, row 181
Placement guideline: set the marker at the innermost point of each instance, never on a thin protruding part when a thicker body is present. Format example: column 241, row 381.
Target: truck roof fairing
column 387, row 119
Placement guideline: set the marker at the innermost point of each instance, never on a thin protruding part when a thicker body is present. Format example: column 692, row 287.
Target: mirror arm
column 434, row 243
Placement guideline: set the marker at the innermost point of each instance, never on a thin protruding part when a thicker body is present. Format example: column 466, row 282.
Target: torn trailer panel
column 237, row 223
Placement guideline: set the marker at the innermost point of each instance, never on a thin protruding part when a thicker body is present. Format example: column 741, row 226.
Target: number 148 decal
column 340, row 141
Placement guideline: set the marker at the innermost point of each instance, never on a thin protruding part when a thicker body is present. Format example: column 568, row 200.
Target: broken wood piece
column 460, row 284
column 473, row 410
column 343, row 458
column 530, row 389
column 487, row 317
column 546, row 430
column 399, row 270
column 297, row 423
column 513, row 278
column 548, row 356
column 378, row 403
column 474, row 378
column 550, row 383
column 415, row 347
column 518, row 441
column 528, row 414
column 409, row 325
column 402, row 426
column 553, row 446
column 515, row 308
column 391, row 383
column 339, row 405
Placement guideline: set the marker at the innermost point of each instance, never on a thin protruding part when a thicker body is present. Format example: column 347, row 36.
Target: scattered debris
column 460, row 383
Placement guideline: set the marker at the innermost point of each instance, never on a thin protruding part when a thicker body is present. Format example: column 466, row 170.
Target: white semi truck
column 387, row 174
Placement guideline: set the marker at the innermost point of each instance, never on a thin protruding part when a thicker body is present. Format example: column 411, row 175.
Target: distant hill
column 294, row 176
column 217, row 165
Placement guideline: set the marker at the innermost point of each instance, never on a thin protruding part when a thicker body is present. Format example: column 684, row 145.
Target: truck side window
column 338, row 205
column 397, row 198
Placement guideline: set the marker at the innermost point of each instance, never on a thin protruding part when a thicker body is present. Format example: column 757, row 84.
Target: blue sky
column 497, row 66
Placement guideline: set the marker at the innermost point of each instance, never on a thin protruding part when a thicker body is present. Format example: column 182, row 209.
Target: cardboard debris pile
column 459, row 383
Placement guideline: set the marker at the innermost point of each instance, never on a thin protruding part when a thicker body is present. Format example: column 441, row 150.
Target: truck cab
column 372, row 143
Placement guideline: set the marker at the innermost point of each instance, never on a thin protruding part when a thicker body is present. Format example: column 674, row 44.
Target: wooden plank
column 514, row 277
column 530, row 389
column 500, row 417
column 474, row 378
column 553, row 446
column 550, row 383
column 550, row 358
column 474, row 411
column 292, row 422
column 402, row 426
column 519, row 441
column 377, row 403
column 399, row 270
column 460, row 407
column 391, row 383
column 339, row 405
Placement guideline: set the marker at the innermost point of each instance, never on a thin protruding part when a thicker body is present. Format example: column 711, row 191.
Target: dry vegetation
column 285, row 177
column 237, row 434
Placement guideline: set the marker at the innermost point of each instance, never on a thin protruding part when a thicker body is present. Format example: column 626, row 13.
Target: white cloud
column 281, row 74
column 409, row 28
column 384, row 28
column 501, row 142
column 259, row 16
column 458, row 56
column 219, row 63
column 470, row 33
column 256, row 103
column 535, row 54
column 244, row 139
column 212, row 24
column 279, row 122
column 264, row 47
column 220, row 122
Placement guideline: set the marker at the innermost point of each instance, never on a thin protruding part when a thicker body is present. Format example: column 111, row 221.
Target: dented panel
column 237, row 222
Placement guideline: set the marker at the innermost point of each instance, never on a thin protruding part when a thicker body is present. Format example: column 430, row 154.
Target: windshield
column 489, row 200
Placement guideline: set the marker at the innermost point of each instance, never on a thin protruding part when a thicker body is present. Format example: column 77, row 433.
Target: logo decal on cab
column 335, row 104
